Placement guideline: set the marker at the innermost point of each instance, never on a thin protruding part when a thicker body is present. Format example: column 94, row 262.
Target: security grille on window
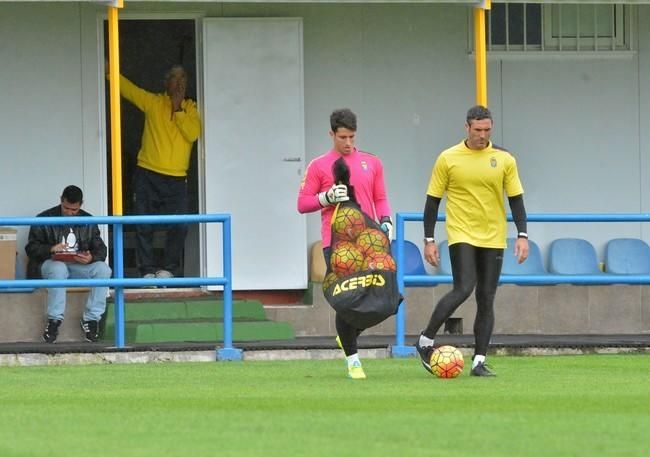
column 558, row 27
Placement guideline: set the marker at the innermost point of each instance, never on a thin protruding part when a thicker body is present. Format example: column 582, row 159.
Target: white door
column 254, row 148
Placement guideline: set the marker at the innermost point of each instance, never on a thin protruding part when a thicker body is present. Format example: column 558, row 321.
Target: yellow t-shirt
column 167, row 139
column 475, row 182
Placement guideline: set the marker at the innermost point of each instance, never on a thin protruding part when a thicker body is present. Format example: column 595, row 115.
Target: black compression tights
column 471, row 267
column 347, row 333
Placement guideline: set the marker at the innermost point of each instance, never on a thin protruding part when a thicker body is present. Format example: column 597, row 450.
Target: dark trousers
column 346, row 332
column 160, row 194
column 472, row 267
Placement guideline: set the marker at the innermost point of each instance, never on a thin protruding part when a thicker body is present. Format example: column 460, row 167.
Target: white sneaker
column 164, row 274
column 149, row 276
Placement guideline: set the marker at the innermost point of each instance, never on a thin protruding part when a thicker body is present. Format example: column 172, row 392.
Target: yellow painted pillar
column 114, row 90
column 481, row 51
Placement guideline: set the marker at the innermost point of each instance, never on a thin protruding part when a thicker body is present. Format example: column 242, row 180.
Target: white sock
column 425, row 342
column 352, row 359
column 478, row 359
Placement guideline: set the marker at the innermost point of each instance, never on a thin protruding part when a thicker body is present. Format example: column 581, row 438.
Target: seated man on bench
column 69, row 251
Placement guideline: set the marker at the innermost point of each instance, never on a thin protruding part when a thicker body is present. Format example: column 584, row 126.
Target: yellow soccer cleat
column 355, row 371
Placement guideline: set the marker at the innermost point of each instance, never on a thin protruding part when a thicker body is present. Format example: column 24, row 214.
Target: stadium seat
column 572, row 256
column 445, row 262
column 413, row 263
column 629, row 256
column 532, row 266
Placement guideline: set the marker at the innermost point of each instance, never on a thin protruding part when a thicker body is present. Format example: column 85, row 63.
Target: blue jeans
column 96, row 303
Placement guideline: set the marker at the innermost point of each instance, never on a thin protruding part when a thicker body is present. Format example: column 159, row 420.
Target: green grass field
column 537, row 406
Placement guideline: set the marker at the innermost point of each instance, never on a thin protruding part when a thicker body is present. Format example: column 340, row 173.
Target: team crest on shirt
column 493, row 162
column 364, row 165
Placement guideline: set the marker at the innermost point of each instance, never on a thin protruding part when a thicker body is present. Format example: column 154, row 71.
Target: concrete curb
column 39, row 359
column 36, row 359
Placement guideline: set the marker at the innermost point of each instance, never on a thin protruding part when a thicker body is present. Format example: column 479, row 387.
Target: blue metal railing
column 119, row 282
column 401, row 350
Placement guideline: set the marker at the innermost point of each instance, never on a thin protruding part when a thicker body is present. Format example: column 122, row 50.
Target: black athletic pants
column 346, row 332
column 472, row 267
column 160, row 194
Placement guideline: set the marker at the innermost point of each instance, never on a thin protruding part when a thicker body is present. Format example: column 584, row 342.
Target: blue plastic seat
column 572, row 256
column 629, row 256
column 532, row 266
column 445, row 261
column 413, row 263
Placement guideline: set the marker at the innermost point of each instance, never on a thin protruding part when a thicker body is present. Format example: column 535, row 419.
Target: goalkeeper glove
column 338, row 193
column 387, row 226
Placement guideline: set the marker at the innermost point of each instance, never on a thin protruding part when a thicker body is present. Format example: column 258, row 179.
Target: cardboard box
column 317, row 266
column 7, row 253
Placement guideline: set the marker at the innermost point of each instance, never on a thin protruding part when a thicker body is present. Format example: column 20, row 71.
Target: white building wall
column 578, row 127
column 644, row 111
column 573, row 125
column 40, row 119
column 44, row 120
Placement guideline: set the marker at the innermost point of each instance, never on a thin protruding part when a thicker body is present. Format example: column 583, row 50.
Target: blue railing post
column 119, row 282
column 227, row 352
column 400, row 349
column 118, row 272
column 433, row 280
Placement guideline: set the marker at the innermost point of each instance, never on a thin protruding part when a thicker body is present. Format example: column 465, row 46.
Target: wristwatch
column 428, row 240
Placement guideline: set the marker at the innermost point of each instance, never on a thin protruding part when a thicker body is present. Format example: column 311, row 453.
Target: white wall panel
column 644, row 111
column 253, row 81
column 42, row 120
column 573, row 128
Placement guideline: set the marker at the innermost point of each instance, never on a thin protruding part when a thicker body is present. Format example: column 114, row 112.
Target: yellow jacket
column 167, row 137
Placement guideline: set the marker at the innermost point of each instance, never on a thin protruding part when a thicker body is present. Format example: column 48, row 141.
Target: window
column 515, row 26
column 558, row 27
column 592, row 27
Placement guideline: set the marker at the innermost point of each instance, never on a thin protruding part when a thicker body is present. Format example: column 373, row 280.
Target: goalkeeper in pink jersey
column 319, row 192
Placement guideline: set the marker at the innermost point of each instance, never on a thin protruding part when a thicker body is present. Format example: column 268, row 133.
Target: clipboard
column 65, row 256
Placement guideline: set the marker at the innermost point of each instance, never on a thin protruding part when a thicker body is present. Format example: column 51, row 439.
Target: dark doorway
column 148, row 48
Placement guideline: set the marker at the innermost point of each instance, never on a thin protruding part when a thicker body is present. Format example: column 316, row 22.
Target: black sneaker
column 51, row 330
column 425, row 355
column 481, row 370
column 91, row 330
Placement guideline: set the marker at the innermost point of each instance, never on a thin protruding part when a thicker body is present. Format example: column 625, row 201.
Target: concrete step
column 193, row 320
column 159, row 331
column 186, row 309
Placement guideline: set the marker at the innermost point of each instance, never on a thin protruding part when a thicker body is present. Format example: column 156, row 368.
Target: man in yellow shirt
column 475, row 174
column 171, row 126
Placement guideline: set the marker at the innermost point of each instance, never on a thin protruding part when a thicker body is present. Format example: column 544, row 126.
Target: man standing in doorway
column 319, row 192
column 475, row 174
column 171, row 126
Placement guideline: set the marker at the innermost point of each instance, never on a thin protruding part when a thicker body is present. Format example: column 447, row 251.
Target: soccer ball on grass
column 447, row 362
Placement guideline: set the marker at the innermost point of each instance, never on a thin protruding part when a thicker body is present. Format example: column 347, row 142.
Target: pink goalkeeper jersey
column 366, row 175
